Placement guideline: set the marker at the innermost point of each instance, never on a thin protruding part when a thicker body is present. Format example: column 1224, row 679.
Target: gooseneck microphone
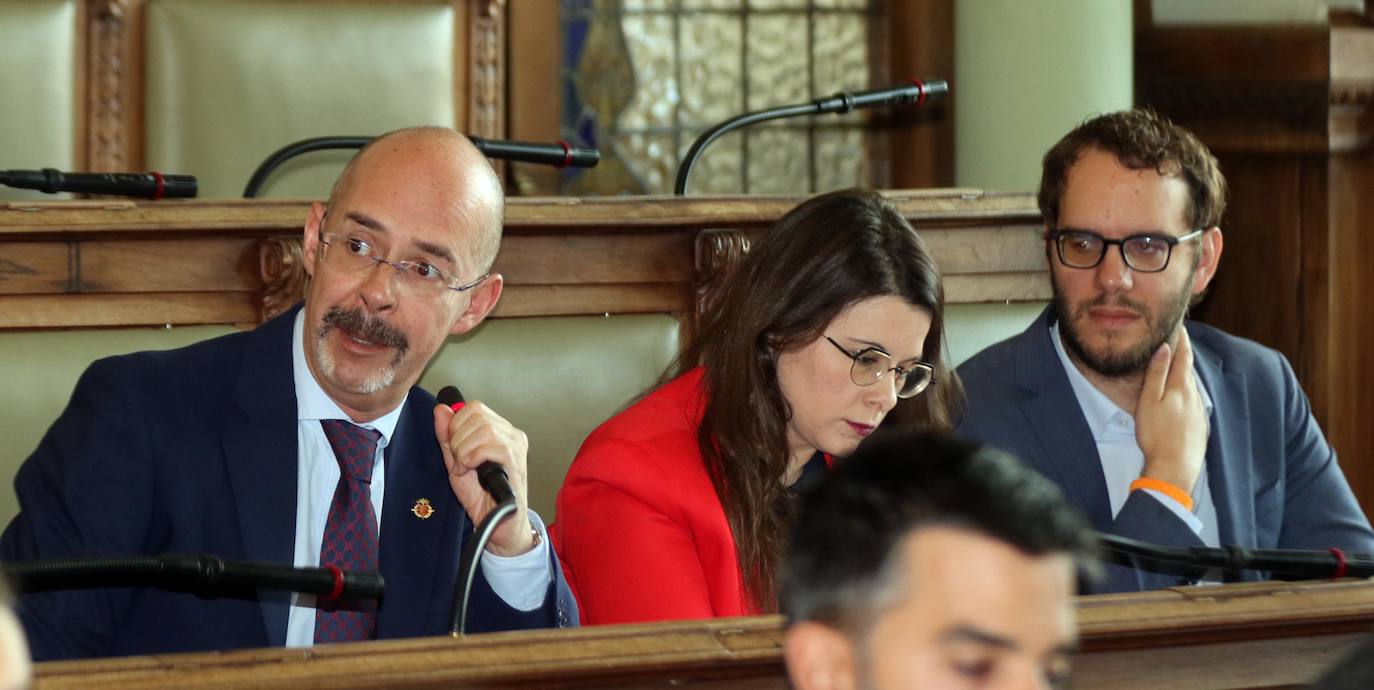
column 917, row 91
column 560, row 154
column 1309, row 564
column 150, row 185
column 497, row 485
column 206, row 576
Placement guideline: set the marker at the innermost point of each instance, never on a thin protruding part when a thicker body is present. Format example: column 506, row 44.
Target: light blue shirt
column 1113, row 431
column 519, row 580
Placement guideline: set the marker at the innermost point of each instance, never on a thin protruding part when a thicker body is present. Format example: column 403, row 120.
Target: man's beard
column 373, row 329
column 1134, row 358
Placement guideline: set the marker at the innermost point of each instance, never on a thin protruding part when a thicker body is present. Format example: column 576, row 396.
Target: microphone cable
column 467, row 565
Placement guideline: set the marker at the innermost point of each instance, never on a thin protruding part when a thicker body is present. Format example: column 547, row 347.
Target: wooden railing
column 121, row 263
column 1265, row 635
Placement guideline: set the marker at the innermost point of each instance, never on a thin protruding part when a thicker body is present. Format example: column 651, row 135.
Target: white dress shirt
column 1122, row 460
column 519, row 580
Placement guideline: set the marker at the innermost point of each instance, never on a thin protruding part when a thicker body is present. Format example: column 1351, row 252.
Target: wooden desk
column 1262, row 635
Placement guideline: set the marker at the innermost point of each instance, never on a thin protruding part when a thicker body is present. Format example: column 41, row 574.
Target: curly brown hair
column 1140, row 139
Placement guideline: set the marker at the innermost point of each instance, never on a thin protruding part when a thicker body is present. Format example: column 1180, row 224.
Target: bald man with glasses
column 1158, row 428
column 305, row 441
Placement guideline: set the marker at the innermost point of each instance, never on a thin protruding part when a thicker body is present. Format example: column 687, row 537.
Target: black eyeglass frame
column 928, row 368
column 1058, row 236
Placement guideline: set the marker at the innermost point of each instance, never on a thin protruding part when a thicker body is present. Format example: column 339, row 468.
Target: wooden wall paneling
column 1241, row 90
column 917, row 42
column 81, row 78
column 486, row 65
column 35, row 312
column 1348, row 364
column 1255, row 293
column 534, row 89
column 114, row 85
column 1317, row 247
column 35, row 267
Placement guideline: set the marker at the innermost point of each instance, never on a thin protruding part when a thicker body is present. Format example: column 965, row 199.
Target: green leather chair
column 38, row 99
column 231, row 81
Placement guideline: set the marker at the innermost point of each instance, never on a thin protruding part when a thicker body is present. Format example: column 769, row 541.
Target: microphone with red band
column 559, row 155
column 918, row 91
column 205, row 575
column 1285, row 564
column 490, row 475
column 150, row 185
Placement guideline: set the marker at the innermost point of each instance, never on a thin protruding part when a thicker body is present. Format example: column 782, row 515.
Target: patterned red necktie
column 350, row 532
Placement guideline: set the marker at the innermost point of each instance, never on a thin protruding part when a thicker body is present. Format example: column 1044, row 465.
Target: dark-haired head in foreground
column 925, row 561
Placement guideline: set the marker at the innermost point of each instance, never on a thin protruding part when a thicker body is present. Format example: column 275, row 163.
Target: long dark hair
column 825, row 255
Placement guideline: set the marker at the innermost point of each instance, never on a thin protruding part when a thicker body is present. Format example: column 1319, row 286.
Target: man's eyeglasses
column 871, row 365
column 1144, row 253
column 356, row 256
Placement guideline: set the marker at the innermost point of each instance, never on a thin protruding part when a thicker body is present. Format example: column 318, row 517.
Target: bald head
column 439, row 163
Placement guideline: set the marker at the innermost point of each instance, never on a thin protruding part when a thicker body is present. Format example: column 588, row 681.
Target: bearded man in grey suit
column 1158, row 428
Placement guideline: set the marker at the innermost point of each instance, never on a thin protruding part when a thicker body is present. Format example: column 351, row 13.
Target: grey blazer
column 1273, row 477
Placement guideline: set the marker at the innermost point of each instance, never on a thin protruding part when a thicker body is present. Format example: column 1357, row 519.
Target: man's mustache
column 373, row 329
column 1118, row 301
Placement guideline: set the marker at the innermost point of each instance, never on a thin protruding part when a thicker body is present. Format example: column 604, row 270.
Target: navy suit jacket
column 194, row 451
column 1273, row 477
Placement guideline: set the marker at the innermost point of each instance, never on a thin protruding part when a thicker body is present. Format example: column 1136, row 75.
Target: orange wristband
column 1165, row 488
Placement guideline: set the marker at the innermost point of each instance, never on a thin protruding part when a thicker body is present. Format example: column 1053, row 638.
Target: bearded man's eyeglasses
column 1143, row 253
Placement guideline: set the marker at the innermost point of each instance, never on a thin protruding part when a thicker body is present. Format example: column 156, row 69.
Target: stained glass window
column 643, row 78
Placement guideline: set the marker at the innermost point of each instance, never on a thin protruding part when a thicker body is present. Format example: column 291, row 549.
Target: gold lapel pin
column 422, row 509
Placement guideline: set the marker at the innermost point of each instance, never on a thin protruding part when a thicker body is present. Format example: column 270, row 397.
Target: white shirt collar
column 1098, row 409
column 311, row 400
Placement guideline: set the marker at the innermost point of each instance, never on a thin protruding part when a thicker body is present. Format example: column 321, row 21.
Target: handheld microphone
column 559, row 155
column 494, row 480
column 489, row 474
column 150, row 185
column 918, row 92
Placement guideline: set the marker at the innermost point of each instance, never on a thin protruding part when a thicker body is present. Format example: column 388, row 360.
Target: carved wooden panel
column 281, row 264
column 114, row 85
column 718, row 254
column 105, row 263
column 113, row 137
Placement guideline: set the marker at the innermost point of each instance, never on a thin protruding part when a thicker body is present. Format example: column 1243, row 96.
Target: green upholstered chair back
column 231, row 81
column 38, row 98
column 37, row 375
column 556, row 378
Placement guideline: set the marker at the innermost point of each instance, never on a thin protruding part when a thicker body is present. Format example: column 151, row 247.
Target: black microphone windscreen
column 449, row 395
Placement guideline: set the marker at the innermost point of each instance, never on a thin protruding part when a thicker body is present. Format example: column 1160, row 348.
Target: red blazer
column 641, row 533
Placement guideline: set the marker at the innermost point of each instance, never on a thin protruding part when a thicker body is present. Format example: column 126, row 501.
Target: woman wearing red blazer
column 678, row 507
